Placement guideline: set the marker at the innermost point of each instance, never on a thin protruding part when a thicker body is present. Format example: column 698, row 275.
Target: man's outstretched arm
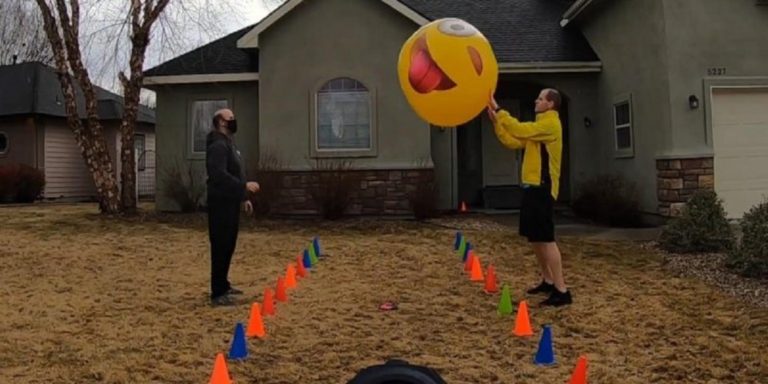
column 542, row 131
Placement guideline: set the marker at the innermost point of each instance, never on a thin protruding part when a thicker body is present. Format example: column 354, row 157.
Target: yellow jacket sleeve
column 542, row 131
column 506, row 138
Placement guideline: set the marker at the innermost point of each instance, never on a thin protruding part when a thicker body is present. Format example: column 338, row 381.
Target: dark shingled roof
column 33, row 88
column 520, row 31
column 220, row 56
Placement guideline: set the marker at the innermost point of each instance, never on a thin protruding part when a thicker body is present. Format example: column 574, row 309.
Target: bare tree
column 62, row 28
column 22, row 37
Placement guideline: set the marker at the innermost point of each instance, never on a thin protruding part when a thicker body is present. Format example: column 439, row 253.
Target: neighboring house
column 34, row 131
column 670, row 94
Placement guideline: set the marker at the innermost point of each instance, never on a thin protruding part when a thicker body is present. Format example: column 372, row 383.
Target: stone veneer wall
column 373, row 192
column 678, row 179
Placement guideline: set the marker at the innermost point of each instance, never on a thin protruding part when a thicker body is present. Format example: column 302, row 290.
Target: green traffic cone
column 505, row 304
column 312, row 255
column 462, row 247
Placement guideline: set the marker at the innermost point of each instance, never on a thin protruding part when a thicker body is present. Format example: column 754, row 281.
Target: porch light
column 693, row 101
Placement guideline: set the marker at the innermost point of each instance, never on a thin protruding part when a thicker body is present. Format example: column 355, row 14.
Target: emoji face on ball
column 447, row 71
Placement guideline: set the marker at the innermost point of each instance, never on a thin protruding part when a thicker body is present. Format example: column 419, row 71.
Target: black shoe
column 223, row 300
column 557, row 299
column 234, row 291
column 543, row 287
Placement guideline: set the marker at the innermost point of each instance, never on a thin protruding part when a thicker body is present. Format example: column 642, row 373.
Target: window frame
column 315, row 151
column 139, row 159
column 189, row 126
column 628, row 152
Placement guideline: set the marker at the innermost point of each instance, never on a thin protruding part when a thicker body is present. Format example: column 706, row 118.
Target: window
column 622, row 122
column 138, row 149
column 202, row 121
column 343, row 116
column 3, row 143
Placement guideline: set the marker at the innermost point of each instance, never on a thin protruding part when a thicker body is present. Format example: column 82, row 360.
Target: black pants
column 223, row 225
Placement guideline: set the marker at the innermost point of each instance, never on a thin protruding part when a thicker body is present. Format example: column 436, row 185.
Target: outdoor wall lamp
column 693, row 101
column 587, row 122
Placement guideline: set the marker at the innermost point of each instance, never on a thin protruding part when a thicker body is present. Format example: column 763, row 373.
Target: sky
column 187, row 24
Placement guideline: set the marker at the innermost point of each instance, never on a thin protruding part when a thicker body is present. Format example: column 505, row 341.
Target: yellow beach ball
column 448, row 72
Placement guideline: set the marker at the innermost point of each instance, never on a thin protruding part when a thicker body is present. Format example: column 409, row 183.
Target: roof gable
column 251, row 39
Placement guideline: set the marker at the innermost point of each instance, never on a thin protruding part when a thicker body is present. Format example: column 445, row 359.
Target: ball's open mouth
column 424, row 73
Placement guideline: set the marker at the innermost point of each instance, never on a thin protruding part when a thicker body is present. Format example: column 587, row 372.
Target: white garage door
column 740, row 141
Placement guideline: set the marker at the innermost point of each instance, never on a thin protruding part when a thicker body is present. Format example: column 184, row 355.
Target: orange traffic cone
column 220, row 374
column 269, row 302
column 580, row 373
column 463, row 207
column 522, row 322
column 290, row 276
column 280, row 293
column 477, row 270
column 255, row 323
column 490, row 281
column 300, row 270
column 468, row 263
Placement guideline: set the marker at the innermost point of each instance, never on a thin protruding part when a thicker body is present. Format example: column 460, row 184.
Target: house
column 672, row 106
column 34, row 131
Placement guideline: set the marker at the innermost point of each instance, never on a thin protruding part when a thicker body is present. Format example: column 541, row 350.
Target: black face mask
column 232, row 125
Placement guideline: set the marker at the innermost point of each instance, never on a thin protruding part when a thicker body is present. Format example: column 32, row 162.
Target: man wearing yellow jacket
column 542, row 143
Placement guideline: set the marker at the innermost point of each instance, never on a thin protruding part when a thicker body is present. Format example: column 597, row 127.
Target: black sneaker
column 223, row 300
column 557, row 299
column 234, row 291
column 543, row 287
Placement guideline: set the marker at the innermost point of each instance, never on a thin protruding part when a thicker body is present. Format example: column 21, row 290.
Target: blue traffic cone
column 316, row 244
column 457, row 243
column 307, row 260
column 239, row 349
column 546, row 354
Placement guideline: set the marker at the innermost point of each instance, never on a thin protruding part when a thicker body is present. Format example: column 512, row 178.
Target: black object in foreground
column 397, row 372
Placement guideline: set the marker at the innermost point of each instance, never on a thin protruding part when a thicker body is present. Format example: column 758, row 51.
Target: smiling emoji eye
column 456, row 27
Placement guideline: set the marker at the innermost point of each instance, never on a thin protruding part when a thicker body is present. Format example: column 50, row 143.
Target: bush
column 268, row 172
column 181, row 184
column 20, row 183
column 751, row 257
column 609, row 200
column 333, row 186
column 702, row 227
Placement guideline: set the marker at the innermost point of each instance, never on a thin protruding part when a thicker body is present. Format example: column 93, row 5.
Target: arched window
column 343, row 116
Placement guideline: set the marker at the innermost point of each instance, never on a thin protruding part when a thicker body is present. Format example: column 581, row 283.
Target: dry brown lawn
column 87, row 299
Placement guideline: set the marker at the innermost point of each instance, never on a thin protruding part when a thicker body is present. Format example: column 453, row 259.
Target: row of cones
column 522, row 327
column 256, row 329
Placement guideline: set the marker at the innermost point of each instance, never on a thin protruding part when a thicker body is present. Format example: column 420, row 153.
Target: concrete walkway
column 566, row 225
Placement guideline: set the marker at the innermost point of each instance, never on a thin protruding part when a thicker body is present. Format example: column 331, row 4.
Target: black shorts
column 536, row 215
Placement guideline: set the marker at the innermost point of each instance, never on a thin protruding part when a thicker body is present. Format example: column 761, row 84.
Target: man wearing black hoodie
column 227, row 189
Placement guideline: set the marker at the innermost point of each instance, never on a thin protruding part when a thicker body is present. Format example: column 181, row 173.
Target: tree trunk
column 91, row 141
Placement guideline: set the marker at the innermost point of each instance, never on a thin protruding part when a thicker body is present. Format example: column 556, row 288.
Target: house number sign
column 716, row 71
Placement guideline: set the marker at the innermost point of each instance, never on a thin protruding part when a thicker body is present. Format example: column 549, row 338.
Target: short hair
column 216, row 119
column 554, row 96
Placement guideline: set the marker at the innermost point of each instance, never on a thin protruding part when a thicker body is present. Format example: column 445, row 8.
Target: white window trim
column 623, row 152
column 7, row 143
column 315, row 151
column 189, row 127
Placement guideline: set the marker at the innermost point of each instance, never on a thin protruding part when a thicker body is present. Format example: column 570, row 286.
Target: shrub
column 268, row 172
column 609, row 200
column 751, row 257
column 20, row 183
column 182, row 185
column 333, row 186
column 702, row 227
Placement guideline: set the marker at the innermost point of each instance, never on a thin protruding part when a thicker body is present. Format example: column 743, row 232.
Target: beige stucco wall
column 318, row 41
